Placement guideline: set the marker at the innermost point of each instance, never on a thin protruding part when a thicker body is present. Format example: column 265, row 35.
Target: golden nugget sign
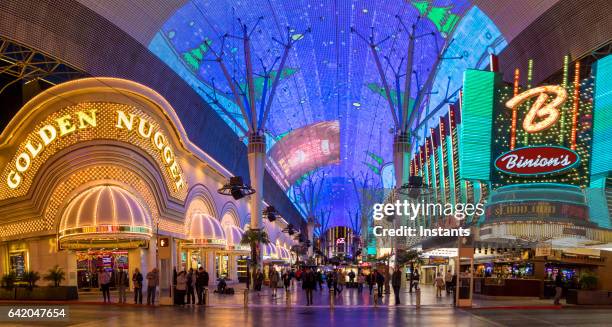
column 88, row 121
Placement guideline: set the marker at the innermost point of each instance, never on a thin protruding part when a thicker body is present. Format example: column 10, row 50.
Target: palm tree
column 31, row 277
column 55, row 275
column 252, row 238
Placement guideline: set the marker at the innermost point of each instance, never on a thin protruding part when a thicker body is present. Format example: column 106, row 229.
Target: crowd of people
column 190, row 285
column 121, row 280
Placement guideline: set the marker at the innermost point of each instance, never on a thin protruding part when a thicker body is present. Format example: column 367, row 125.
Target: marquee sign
column 537, row 160
column 541, row 115
column 86, row 122
column 542, row 133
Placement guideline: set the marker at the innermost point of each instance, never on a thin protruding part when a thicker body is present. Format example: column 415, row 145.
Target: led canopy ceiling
column 330, row 80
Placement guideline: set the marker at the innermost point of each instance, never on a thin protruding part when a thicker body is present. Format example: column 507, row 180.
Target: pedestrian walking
column 286, row 280
column 371, row 280
column 274, row 279
column 308, row 284
column 439, row 282
column 380, row 281
column 396, row 283
column 361, row 278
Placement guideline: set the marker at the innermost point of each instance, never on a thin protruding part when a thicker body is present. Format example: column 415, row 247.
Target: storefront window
column 222, row 265
column 18, row 263
column 90, row 262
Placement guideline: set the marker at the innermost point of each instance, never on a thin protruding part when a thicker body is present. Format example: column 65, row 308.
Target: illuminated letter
column 25, row 157
column 14, row 179
column 168, row 155
column 549, row 113
column 84, row 119
column 123, row 122
column 33, row 151
column 179, row 184
column 174, row 169
column 159, row 140
column 142, row 127
column 65, row 125
column 47, row 134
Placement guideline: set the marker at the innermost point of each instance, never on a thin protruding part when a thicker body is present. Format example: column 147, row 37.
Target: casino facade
column 99, row 173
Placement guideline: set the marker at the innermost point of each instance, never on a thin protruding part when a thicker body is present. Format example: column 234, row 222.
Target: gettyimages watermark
column 405, row 210
column 522, row 214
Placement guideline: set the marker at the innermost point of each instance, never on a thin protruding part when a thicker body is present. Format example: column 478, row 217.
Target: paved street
column 98, row 315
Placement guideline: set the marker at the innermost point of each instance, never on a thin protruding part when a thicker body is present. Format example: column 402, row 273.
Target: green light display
column 476, row 125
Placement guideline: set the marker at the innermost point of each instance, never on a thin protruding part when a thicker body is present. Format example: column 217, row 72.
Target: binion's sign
column 537, row 160
column 544, row 109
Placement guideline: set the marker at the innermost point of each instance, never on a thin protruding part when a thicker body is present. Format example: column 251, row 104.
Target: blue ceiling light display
column 330, row 74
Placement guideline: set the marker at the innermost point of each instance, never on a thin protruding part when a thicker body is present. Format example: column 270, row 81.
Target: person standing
column 415, row 280
column 181, row 288
column 123, row 283
column 341, row 280
column 273, row 280
column 380, row 281
column 334, row 281
column 308, row 284
column 448, row 279
column 360, row 281
column 137, row 282
column 351, row 276
column 259, row 278
column 152, row 282
column 371, row 280
column 319, row 279
column 191, row 282
column 201, row 282
column 104, row 278
column 558, row 287
column 396, row 283
column 439, row 285
column 287, row 280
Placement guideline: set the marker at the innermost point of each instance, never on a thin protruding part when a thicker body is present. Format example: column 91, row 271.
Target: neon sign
column 92, row 121
column 547, row 112
column 537, row 160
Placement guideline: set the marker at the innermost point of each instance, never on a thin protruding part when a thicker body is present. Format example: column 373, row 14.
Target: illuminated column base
column 310, row 233
column 210, row 267
column 233, row 271
column 257, row 161
column 401, row 158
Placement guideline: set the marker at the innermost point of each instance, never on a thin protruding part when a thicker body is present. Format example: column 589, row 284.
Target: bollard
column 246, row 298
column 331, row 299
column 418, row 298
column 376, row 298
column 206, row 297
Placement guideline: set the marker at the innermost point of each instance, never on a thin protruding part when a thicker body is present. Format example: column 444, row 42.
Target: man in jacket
column 396, row 283
column 152, row 282
column 122, row 282
column 201, row 283
column 137, row 281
